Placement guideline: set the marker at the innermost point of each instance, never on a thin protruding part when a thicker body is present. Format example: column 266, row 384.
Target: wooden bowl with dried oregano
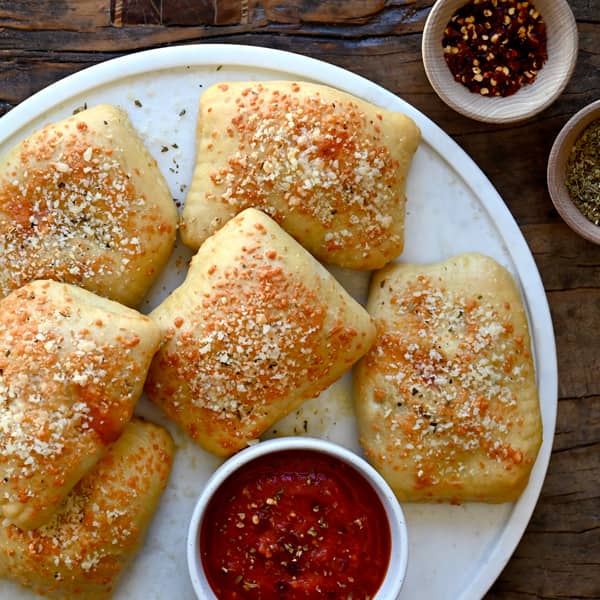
column 499, row 61
column 574, row 172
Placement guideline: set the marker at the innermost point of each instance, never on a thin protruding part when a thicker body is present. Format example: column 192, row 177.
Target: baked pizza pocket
column 446, row 398
column 72, row 366
column 97, row 530
column 330, row 168
column 257, row 327
column 82, row 201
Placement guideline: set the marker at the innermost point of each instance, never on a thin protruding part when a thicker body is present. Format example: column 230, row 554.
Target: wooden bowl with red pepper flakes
column 499, row 61
column 574, row 172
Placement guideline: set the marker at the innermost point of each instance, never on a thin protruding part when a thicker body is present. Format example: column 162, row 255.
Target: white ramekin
column 396, row 571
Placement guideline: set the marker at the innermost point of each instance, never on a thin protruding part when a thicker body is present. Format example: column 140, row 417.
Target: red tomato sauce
column 295, row 524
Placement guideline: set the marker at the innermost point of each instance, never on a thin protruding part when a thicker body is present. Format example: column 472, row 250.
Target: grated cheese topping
column 55, row 407
column 70, row 211
column 250, row 342
column 99, row 526
column 304, row 154
column 455, row 363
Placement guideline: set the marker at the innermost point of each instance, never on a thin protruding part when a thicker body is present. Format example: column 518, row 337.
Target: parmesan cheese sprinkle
column 256, row 339
column 325, row 160
column 69, row 211
column 455, row 364
column 62, row 395
column 90, row 538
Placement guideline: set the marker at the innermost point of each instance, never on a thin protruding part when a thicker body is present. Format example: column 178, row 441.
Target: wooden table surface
column 43, row 41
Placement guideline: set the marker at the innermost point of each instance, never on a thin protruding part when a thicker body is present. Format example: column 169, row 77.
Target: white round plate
column 454, row 551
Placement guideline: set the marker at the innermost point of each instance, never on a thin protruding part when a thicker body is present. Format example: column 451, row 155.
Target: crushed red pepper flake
column 495, row 47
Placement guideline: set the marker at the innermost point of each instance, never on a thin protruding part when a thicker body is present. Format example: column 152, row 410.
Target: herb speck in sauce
column 583, row 172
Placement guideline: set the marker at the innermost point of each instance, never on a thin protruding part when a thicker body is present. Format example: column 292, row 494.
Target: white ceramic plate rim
column 308, row 68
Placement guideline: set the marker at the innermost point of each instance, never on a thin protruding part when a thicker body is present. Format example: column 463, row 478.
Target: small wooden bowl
column 557, row 170
column 562, row 44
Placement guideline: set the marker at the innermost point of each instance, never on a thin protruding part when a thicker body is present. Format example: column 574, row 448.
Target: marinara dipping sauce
column 295, row 524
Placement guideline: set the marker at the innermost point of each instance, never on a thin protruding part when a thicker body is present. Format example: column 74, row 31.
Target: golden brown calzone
column 82, row 201
column 100, row 526
column 330, row 168
column 446, row 398
column 72, row 366
column 257, row 327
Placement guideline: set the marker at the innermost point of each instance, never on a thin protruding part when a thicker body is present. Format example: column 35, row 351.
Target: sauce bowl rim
column 398, row 561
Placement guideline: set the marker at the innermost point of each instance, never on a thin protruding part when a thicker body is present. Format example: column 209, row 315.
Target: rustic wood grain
column 321, row 11
column 566, row 261
column 207, row 12
column 42, row 41
column 177, row 12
